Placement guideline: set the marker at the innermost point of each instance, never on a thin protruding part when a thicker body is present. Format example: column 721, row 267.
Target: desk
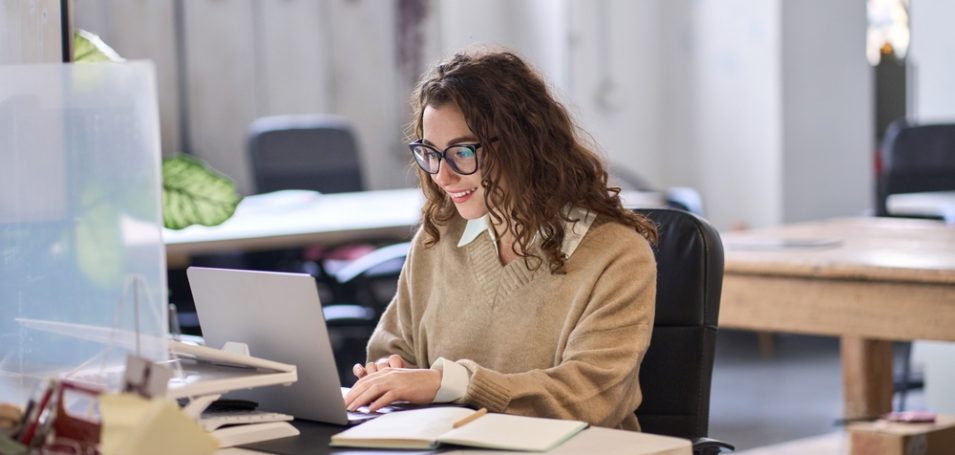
column 315, row 437
column 929, row 204
column 866, row 280
column 289, row 219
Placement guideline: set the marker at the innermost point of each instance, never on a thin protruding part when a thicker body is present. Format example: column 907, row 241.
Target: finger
column 359, row 371
column 382, row 401
column 353, row 393
column 382, row 363
column 371, row 367
column 357, row 390
column 395, row 361
column 366, row 396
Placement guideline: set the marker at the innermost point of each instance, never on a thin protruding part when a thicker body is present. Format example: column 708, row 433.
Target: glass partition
column 82, row 268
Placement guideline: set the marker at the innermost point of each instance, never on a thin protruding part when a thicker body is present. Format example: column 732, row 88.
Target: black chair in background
column 317, row 152
column 676, row 372
column 915, row 158
column 321, row 153
column 304, row 152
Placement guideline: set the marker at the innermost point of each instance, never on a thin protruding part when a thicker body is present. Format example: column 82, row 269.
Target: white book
column 429, row 427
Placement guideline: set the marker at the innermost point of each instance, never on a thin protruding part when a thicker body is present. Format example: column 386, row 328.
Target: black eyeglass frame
column 443, row 155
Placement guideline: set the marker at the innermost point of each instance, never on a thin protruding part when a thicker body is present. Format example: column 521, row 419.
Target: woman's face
column 445, row 126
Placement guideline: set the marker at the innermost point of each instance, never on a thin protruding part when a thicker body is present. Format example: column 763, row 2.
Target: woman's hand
column 392, row 361
column 387, row 385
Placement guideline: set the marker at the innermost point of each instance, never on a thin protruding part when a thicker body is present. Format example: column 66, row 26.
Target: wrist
column 436, row 376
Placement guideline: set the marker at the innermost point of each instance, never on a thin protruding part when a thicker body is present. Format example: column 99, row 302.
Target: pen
column 462, row 422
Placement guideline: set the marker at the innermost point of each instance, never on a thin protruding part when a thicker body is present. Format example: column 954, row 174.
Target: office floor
column 794, row 393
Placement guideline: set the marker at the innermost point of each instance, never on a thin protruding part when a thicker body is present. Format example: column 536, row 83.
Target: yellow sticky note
column 132, row 424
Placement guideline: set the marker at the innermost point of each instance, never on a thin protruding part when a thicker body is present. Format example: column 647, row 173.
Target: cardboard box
column 894, row 438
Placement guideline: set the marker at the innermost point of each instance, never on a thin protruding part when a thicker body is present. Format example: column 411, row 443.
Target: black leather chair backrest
column 676, row 372
column 307, row 152
column 915, row 158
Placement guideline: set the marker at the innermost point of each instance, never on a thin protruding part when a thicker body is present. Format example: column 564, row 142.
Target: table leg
column 866, row 376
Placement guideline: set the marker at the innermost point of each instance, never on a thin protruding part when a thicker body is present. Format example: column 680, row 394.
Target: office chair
column 304, row 152
column 319, row 153
column 676, row 372
column 913, row 158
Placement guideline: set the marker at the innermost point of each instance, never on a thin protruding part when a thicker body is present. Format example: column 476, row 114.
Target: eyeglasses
column 461, row 157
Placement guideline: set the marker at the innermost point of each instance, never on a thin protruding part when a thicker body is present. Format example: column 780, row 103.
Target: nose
column 445, row 175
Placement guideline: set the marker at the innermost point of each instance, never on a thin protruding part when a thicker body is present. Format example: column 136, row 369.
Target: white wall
column 736, row 78
column 932, row 54
column 827, row 111
column 932, row 58
column 141, row 30
column 770, row 122
column 615, row 78
column 733, row 97
column 536, row 29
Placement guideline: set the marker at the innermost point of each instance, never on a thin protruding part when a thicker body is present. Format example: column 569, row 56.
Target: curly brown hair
column 536, row 151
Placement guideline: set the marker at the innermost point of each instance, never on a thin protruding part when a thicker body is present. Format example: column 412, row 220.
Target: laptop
column 279, row 316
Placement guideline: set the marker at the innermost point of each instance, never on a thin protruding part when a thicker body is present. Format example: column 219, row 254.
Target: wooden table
column 866, row 280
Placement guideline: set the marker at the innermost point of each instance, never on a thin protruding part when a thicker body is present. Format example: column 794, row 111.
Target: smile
column 461, row 194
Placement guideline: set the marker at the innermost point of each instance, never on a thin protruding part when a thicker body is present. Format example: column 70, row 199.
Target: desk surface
column 866, row 280
column 294, row 218
column 316, row 436
column 893, row 249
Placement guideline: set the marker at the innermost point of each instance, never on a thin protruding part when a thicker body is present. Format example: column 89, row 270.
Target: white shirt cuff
column 455, row 380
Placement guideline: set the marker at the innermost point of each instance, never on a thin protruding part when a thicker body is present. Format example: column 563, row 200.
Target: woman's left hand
column 379, row 389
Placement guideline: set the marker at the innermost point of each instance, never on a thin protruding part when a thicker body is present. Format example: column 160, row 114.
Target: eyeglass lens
column 461, row 158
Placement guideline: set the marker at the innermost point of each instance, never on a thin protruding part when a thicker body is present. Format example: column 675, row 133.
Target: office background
column 765, row 107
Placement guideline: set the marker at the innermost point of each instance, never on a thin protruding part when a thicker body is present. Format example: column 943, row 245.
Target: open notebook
column 427, row 428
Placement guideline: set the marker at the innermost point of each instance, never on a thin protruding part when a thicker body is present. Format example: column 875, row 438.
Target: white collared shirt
column 455, row 379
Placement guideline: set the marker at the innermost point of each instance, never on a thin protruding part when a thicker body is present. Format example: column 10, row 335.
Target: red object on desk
column 81, row 430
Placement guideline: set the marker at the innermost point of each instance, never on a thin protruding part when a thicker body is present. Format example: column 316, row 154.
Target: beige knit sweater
column 562, row 346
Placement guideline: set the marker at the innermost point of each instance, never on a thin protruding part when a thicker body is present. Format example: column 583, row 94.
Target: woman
column 529, row 289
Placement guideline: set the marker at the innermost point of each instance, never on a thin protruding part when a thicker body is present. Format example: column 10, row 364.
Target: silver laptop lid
column 279, row 316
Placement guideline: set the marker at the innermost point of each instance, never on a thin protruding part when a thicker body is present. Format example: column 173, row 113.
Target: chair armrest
column 708, row 446
column 367, row 262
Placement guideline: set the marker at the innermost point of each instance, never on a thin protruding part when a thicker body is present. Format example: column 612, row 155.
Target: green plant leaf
column 192, row 192
column 195, row 194
column 89, row 48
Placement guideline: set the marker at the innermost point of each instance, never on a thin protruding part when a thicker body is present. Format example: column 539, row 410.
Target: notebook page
column 403, row 428
column 503, row 431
